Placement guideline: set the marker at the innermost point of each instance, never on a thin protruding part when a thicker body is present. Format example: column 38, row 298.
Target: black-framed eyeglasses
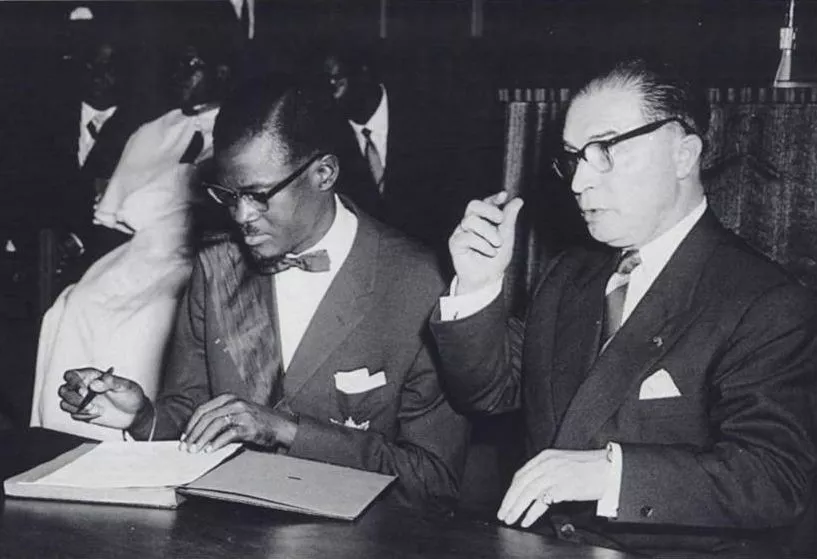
column 257, row 199
column 597, row 153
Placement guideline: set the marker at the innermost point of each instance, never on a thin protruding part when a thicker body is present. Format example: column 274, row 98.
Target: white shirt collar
column 378, row 123
column 656, row 253
column 98, row 116
column 338, row 239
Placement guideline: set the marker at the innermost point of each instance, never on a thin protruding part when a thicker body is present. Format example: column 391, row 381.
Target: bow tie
column 315, row 261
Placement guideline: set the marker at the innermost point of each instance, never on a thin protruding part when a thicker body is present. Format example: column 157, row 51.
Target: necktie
column 93, row 130
column 316, row 261
column 375, row 164
column 193, row 148
column 616, row 294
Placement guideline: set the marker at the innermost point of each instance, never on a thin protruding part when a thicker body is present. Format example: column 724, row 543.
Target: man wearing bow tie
column 306, row 331
column 667, row 375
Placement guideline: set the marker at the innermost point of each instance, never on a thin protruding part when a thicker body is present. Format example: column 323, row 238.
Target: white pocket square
column 658, row 385
column 358, row 381
column 362, row 426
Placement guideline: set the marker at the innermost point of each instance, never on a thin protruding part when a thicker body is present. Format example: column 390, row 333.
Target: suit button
column 647, row 512
column 567, row 530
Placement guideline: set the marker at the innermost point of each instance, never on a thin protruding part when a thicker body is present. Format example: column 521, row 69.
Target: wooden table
column 205, row 529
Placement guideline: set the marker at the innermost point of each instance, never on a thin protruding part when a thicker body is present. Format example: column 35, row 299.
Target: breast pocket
column 365, row 406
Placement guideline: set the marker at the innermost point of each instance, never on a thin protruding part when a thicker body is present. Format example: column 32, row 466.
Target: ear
column 328, row 170
column 687, row 155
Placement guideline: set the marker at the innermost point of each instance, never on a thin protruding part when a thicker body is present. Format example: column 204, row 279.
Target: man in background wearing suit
column 404, row 156
column 82, row 138
column 666, row 376
column 307, row 332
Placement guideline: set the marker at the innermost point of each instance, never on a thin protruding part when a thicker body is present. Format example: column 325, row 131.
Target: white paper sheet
column 136, row 464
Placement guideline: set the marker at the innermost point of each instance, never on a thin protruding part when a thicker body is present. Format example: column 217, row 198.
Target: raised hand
column 117, row 402
column 482, row 244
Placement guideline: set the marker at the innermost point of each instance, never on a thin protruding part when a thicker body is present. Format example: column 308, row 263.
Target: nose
column 244, row 212
column 584, row 177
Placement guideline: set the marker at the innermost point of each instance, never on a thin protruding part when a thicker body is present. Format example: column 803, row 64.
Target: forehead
column 602, row 112
column 254, row 161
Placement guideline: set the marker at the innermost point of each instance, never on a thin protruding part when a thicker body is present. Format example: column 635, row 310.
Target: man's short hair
column 665, row 92
column 300, row 115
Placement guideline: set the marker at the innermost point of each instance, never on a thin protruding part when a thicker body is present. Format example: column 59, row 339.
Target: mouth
column 255, row 239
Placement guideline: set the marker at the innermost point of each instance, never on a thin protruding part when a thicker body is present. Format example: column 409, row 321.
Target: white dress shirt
column 298, row 293
column 379, row 125
column 86, row 140
column 654, row 256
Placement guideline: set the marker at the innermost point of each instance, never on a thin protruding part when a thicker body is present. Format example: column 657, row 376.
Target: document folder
column 291, row 484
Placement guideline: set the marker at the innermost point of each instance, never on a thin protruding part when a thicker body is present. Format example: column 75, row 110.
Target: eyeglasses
column 258, row 200
column 597, row 153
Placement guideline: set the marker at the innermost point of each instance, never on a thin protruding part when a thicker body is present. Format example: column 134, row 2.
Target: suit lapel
column 657, row 322
column 348, row 300
column 577, row 337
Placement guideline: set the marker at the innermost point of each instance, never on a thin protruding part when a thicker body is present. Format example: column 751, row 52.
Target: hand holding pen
column 482, row 244
column 101, row 398
column 91, row 394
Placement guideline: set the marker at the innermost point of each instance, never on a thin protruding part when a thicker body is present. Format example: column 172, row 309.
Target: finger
column 204, row 409
column 522, row 499
column 231, row 435
column 84, row 415
column 482, row 228
column 471, row 242
column 535, row 511
column 498, row 198
column 82, row 376
column 484, row 210
column 70, row 394
column 510, row 213
column 215, row 425
column 524, row 484
column 108, row 382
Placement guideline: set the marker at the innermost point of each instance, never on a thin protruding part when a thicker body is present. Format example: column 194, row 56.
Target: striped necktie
column 617, row 293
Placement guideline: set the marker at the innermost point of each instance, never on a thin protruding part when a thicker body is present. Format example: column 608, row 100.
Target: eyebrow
column 594, row 138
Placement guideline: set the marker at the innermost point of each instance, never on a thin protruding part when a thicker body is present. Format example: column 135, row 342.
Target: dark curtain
column 760, row 172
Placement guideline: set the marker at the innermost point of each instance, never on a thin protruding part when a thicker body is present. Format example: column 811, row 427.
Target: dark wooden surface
column 204, row 529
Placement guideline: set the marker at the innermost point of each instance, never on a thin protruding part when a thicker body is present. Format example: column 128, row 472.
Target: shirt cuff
column 608, row 504
column 455, row 307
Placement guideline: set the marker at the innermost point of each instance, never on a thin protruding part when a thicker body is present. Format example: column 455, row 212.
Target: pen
column 91, row 394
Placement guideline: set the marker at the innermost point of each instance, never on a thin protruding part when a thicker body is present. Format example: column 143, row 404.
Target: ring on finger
column 229, row 419
column 545, row 498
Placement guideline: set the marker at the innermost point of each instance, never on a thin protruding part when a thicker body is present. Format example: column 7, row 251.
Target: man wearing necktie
column 305, row 332
column 667, row 375
column 406, row 159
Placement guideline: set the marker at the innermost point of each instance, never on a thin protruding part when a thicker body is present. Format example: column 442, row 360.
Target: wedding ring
column 546, row 499
column 229, row 419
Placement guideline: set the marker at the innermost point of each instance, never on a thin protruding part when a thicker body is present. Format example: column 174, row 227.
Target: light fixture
column 791, row 72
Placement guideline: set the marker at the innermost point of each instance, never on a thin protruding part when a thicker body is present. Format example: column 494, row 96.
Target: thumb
column 110, row 383
column 511, row 213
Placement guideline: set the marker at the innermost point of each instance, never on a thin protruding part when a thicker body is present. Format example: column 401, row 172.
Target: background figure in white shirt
column 667, row 375
column 121, row 312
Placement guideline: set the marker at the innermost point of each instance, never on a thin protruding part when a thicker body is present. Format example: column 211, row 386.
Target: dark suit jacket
column 375, row 316
column 735, row 451
column 427, row 178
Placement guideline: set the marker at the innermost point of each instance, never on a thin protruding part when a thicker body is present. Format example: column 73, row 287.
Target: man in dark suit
column 667, row 376
column 404, row 157
column 82, row 134
column 307, row 333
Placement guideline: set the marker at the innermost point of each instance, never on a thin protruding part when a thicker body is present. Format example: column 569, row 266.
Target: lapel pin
column 658, row 341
